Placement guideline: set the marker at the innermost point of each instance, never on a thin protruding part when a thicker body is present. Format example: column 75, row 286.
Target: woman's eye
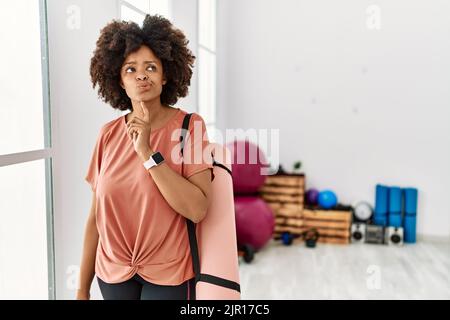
column 131, row 69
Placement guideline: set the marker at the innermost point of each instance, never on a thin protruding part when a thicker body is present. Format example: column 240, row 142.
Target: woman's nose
column 142, row 77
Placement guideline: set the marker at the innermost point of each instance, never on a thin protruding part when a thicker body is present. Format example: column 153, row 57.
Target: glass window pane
column 207, row 85
column 140, row 4
column 128, row 14
column 207, row 23
column 21, row 109
column 160, row 7
column 23, row 231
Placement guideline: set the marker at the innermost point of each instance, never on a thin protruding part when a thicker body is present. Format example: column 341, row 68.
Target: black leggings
column 137, row 288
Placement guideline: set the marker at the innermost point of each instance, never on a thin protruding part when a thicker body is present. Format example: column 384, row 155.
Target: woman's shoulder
column 194, row 116
column 110, row 126
column 115, row 122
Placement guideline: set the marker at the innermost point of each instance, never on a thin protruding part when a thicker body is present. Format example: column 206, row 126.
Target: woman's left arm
column 189, row 197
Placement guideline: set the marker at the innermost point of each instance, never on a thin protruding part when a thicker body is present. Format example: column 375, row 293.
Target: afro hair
column 120, row 38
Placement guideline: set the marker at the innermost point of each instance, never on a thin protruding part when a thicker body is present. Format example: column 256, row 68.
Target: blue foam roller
column 395, row 199
column 381, row 200
column 409, row 229
column 380, row 220
column 410, row 201
column 395, row 219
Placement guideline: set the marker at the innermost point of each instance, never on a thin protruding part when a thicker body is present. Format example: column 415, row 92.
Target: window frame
column 129, row 6
column 201, row 46
column 137, row 10
column 45, row 154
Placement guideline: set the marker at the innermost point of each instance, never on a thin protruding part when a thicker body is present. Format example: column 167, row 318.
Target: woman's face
column 142, row 75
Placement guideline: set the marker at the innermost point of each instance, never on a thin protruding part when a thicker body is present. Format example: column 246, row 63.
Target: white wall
column 357, row 106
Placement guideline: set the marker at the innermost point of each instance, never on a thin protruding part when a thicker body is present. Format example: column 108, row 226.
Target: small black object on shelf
column 311, row 236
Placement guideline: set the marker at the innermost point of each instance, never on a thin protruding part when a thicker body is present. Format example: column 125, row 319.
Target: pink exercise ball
column 254, row 221
column 248, row 163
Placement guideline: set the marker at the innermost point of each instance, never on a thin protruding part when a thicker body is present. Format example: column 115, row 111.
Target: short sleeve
column 196, row 154
column 95, row 162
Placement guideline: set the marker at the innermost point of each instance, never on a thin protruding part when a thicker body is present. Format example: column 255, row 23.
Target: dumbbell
column 311, row 236
column 287, row 238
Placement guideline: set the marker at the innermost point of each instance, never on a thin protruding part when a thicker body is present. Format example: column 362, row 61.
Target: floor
column 356, row 271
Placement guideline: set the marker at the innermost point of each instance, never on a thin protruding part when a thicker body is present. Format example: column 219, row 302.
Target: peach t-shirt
column 139, row 232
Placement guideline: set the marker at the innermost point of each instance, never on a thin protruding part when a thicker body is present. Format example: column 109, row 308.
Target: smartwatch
column 154, row 160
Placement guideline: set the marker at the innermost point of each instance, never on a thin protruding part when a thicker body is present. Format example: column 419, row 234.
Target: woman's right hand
column 87, row 266
column 83, row 295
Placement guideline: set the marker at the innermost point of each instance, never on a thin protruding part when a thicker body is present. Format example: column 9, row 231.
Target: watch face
column 158, row 157
column 363, row 211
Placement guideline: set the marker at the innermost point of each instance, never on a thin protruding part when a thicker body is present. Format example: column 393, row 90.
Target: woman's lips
column 144, row 87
